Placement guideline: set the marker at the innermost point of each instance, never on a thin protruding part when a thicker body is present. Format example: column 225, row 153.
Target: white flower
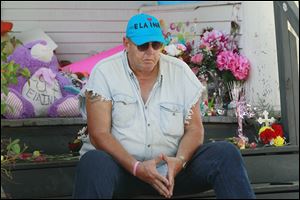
column 81, row 134
column 172, row 50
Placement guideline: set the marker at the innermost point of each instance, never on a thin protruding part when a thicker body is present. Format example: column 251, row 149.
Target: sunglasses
column 145, row 46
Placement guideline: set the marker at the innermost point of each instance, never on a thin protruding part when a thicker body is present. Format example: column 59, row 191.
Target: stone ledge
column 79, row 120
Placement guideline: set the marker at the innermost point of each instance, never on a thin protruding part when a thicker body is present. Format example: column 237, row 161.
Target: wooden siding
column 81, row 28
column 202, row 15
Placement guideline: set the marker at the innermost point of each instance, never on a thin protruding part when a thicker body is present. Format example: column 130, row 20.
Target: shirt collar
column 131, row 74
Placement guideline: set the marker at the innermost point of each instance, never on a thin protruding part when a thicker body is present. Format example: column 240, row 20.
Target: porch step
column 55, row 179
column 262, row 191
column 51, row 135
column 288, row 190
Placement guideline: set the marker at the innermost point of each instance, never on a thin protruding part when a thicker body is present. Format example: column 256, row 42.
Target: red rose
column 25, row 156
column 278, row 130
column 267, row 135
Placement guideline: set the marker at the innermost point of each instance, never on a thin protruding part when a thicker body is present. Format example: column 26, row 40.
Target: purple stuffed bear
column 43, row 95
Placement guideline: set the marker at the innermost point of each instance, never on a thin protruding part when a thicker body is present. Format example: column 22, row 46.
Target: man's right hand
column 147, row 172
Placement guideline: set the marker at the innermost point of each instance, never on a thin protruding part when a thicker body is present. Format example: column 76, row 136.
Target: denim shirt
column 145, row 129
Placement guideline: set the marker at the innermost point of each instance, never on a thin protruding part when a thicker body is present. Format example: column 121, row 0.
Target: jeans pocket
column 171, row 120
column 124, row 110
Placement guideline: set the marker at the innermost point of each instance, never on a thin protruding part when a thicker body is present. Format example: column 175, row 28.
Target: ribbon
column 241, row 112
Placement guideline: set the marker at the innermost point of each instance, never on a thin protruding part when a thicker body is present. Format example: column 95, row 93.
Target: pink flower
column 232, row 61
column 195, row 70
column 205, row 45
column 253, row 145
column 181, row 47
column 241, row 69
column 222, row 61
column 225, row 60
column 197, row 59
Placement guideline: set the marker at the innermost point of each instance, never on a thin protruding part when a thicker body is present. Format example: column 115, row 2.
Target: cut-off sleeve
column 193, row 91
column 98, row 85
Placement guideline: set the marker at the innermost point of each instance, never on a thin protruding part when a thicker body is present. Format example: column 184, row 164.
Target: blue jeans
column 216, row 165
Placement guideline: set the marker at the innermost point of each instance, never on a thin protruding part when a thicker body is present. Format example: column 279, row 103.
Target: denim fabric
column 145, row 129
column 216, row 165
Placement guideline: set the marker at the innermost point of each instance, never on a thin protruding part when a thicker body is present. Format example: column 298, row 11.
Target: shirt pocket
column 124, row 110
column 171, row 119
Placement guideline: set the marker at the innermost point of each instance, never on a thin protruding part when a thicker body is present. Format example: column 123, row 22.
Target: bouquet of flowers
column 214, row 58
column 216, row 61
column 270, row 134
column 217, row 56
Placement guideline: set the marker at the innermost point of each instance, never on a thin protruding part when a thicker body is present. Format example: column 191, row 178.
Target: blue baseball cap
column 143, row 28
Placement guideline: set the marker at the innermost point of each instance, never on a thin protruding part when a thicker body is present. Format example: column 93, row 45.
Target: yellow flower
column 36, row 153
column 279, row 141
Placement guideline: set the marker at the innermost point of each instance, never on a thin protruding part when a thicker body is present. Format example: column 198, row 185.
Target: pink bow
column 48, row 75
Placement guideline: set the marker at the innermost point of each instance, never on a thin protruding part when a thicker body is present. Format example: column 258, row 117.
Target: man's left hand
column 174, row 167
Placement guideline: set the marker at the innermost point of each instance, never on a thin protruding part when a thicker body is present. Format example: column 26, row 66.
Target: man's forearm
column 189, row 143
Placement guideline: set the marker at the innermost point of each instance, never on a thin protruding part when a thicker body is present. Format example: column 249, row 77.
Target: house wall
column 259, row 40
column 81, row 28
column 256, row 38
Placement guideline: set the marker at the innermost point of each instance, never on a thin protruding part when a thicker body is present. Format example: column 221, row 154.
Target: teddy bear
column 44, row 94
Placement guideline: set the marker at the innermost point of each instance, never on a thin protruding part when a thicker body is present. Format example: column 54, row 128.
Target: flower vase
column 204, row 95
column 240, row 121
column 231, row 109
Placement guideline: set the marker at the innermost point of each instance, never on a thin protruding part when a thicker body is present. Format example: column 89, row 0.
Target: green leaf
column 3, row 44
column 3, row 57
column 14, row 80
column 25, row 72
column 5, row 90
column 227, row 76
column 10, row 67
column 15, row 141
column 16, row 148
column 3, row 80
column 18, row 42
column 3, row 108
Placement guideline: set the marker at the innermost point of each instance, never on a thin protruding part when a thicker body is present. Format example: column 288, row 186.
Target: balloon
column 87, row 64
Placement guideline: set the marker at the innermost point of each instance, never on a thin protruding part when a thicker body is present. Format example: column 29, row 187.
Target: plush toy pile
column 44, row 95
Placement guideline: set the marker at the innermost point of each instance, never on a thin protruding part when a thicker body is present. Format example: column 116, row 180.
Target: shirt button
column 148, row 145
column 148, row 124
column 146, row 107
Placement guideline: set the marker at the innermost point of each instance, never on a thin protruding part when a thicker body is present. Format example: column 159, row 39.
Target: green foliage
column 10, row 71
column 10, row 152
column 14, row 147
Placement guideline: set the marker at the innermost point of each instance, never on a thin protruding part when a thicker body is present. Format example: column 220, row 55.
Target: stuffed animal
column 43, row 95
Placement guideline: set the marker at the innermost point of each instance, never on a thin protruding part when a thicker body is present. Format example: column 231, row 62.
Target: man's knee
column 220, row 149
column 226, row 148
column 95, row 159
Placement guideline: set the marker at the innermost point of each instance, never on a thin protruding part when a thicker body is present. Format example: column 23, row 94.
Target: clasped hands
column 147, row 172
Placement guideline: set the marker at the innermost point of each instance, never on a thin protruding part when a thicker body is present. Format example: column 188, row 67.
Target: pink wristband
column 135, row 167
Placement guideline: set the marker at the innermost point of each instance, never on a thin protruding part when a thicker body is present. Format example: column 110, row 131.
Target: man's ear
column 125, row 43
